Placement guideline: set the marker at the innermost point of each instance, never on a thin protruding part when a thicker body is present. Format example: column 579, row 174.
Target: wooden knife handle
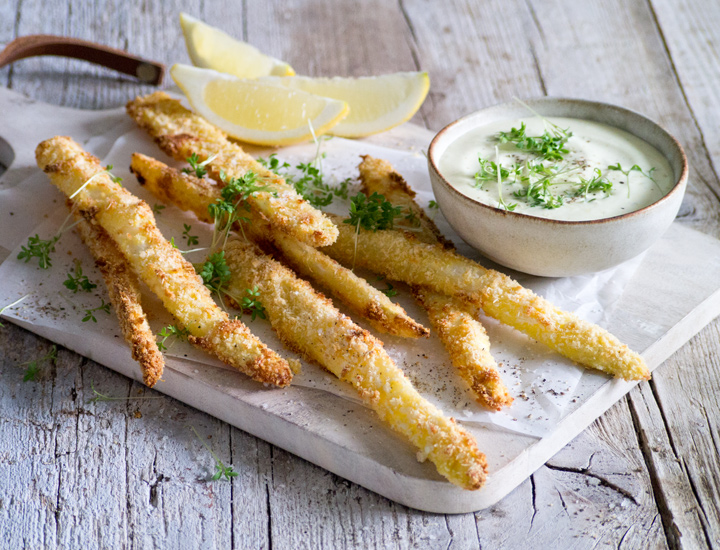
column 45, row 44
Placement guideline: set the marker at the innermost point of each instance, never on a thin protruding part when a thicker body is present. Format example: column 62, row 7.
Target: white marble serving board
column 671, row 296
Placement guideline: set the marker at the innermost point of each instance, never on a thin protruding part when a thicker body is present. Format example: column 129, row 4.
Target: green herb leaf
column 220, row 469
column 171, row 331
column 251, row 304
column 550, row 146
column 114, row 178
column 372, row 213
column 32, row 370
column 215, row 272
column 191, row 239
column 197, row 167
column 39, row 248
column 389, row 291
column 77, row 281
column 90, row 313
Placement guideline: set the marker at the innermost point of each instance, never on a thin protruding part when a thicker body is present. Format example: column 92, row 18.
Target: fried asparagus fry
column 401, row 256
column 130, row 223
column 181, row 133
column 196, row 194
column 124, row 290
column 461, row 334
column 309, row 324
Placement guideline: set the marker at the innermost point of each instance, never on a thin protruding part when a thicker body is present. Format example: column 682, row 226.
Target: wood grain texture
column 132, row 475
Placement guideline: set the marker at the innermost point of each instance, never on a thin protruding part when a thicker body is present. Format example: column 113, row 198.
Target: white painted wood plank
column 28, row 474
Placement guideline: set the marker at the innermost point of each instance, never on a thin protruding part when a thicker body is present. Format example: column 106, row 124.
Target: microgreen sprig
column 226, row 210
column 114, row 178
column 220, row 469
column 191, row 239
column 197, row 167
column 76, row 281
column 635, row 168
column 40, row 249
column 596, row 184
column 372, row 213
column 551, row 145
column 251, row 304
column 309, row 183
column 32, row 370
column 171, row 331
column 216, row 274
column 491, row 171
column 90, row 313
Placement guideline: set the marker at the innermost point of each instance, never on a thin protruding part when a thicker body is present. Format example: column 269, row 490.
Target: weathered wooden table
column 130, row 475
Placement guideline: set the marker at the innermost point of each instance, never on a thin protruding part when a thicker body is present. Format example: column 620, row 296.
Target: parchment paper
column 541, row 381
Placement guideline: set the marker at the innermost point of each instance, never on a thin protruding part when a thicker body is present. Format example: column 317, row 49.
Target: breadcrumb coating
column 463, row 336
column 401, row 256
column 196, row 194
column 182, row 133
column 309, row 324
column 124, row 290
column 131, row 224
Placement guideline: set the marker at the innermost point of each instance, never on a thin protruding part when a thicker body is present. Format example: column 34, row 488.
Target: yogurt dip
column 573, row 188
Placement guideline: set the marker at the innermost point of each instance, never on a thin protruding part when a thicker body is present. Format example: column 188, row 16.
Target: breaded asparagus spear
column 181, row 133
column 196, row 194
column 130, row 223
column 401, row 256
column 461, row 334
column 124, row 290
column 309, row 324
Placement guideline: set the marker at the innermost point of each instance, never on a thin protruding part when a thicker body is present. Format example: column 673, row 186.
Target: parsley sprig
column 76, row 281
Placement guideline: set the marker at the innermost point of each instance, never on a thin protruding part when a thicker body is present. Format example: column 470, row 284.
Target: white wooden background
column 129, row 474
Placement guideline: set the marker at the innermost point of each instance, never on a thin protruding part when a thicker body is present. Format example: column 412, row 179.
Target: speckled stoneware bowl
column 555, row 248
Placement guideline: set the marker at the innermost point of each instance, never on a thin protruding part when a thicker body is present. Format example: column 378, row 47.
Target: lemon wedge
column 211, row 48
column 256, row 111
column 377, row 103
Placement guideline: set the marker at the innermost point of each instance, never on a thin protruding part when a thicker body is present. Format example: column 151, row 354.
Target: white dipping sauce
column 592, row 145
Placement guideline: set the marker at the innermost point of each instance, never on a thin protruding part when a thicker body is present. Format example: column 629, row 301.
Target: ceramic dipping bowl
column 556, row 248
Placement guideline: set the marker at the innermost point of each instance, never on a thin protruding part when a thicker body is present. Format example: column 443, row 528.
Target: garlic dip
column 592, row 146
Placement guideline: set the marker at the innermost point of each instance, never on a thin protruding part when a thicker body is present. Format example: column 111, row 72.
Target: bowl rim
column 677, row 187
